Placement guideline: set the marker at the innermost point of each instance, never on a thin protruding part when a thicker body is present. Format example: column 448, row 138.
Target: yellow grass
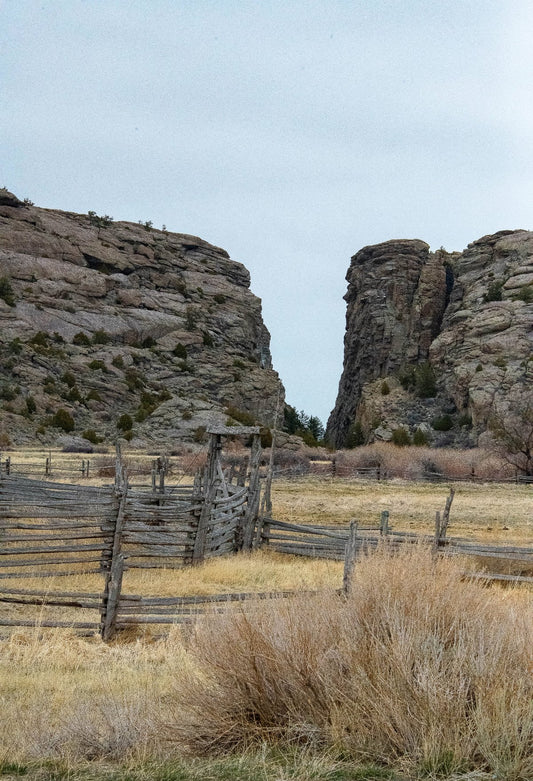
column 386, row 677
column 498, row 512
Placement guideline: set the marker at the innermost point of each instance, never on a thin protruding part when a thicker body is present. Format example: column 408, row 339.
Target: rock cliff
column 435, row 340
column 108, row 319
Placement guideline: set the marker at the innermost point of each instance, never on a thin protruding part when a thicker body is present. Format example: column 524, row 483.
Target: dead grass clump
column 417, row 668
column 415, row 463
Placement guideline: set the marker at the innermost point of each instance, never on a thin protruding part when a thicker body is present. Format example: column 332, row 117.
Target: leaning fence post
column 113, row 585
column 349, row 558
column 441, row 524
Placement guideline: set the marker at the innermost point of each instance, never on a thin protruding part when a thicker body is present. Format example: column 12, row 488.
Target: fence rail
column 54, row 529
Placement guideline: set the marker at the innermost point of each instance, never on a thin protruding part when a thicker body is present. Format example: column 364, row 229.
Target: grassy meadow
column 419, row 674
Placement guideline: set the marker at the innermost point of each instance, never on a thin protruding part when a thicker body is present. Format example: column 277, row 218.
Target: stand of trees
column 308, row 427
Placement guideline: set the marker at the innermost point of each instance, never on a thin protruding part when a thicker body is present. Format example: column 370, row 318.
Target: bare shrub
column 415, row 463
column 416, row 669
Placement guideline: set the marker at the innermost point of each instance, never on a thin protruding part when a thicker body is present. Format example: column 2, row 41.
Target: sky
column 289, row 133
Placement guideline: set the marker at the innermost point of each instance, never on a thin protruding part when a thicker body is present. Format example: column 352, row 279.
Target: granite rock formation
column 106, row 319
column 460, row 321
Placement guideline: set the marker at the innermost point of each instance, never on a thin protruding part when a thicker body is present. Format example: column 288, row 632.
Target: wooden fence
column 52, row 529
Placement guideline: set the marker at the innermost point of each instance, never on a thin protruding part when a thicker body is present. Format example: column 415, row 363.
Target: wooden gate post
column 209, row 494
column 254, row 490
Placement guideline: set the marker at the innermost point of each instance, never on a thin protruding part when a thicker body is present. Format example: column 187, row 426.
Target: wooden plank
column 79, row 535
column 55, row 594
column 47, row 602
column 44, row 562
column 49, row 549
column 310, row 529
column 38, row 623
column 51, row 574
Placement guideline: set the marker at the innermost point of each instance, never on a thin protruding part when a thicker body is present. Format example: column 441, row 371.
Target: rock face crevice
column 157, row 325
column 468, row 316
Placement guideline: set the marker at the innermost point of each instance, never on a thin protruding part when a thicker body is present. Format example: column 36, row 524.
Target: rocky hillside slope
column 104, row 323
column 435, row 342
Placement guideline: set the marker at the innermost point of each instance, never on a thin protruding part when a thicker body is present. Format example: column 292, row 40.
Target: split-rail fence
column 51, row 529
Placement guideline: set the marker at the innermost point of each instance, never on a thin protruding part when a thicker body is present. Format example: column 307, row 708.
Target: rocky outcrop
column 462, row 321
column 104, row 319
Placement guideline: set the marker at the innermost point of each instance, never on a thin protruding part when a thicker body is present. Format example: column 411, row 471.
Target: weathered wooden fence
column 52, row 529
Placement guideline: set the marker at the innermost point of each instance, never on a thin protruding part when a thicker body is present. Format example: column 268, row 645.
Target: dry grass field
column 495, row 512
column 418, row 675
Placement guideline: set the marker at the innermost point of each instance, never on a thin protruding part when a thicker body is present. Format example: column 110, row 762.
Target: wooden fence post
column 349, row 558
column 254, row 490
column 209, row 494
column 113, row 585
column 441, row 524
column 384, row 523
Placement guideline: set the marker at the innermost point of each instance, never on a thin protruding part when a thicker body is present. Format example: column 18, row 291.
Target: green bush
column 180, row 351
column 8, row 392
column 31, row 406
column 200, row 434
column 425, row 381
column 6, row 291
column 465, row 420
column 125, row 422
column 525, row 294
column 207, row 339
column 101, row 337
column 69, row 379
column 99, row 222
column 73, row 395
column 15, row 346
column 442, row 423
column 118, row 362
column 240, row 415
column 385, row 388
column 40, row 339
column 63, row 419
column 93, row 395
column 81, row 339
column 97, row 366
column 191, row 318
column 355, row 436
column 494, row 292
column 219, row 298
column 420, row 379
column 479, row 367
column 238, row 364
column 148, row 342
column 91, row 436
column 400, row 437
column 420, row 438
column 133, row 379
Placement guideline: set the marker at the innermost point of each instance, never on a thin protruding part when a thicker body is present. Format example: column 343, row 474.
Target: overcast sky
column 289, row 133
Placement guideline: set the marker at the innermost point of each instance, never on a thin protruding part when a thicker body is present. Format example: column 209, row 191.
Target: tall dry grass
column 417, row 669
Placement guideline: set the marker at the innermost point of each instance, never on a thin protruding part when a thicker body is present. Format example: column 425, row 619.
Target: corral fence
column 50, row 529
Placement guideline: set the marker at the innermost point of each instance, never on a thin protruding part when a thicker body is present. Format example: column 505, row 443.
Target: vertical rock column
column 395, row 302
